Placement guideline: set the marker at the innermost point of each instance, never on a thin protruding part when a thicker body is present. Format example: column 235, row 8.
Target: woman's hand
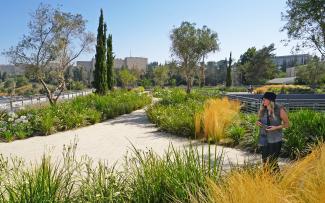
column 272, row 128
column 258, row 123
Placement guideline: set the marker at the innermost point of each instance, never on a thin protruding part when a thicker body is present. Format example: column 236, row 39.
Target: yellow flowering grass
column 278, row 88
column 301, row 181
column 217, row 115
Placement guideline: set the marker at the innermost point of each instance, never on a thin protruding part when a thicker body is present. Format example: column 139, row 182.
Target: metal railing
column 251, row 104
column 17, row 102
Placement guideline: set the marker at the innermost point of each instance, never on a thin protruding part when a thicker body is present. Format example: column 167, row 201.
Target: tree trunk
column 61, row 88
column 188, row 89
column 202, row 75
column 48, row 92
column 189, row 85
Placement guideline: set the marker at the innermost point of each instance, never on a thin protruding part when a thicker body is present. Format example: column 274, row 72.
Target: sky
column 141, row 28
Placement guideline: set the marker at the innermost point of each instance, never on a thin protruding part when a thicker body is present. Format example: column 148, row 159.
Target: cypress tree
column 100, row 73
column 110, row 60
column 228, row 79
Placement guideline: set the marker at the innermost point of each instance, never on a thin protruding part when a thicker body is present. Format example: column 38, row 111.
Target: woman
column 272, row 119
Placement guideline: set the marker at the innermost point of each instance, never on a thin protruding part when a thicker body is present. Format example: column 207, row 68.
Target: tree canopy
column 256, row 66
column 160, row 75
column 189, row 46
column 313, row 73
column 127, row 77
column 306, row 22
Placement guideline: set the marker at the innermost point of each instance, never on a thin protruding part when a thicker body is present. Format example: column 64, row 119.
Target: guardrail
column 15, row 103
column 252, row 103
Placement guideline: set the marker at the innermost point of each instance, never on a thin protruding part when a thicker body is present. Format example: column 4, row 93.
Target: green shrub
column 174, row 96
column 69, row 117
column 236, row 133
column 13, row 126
column 159, row 92
column 138, row 89
column 207, row 91
column 233, row 88
column 250, row 140
column 45, row 121
column 146, row 83
column 306, row 129
column 76, row 85
column 177, row 119
column 176, row 110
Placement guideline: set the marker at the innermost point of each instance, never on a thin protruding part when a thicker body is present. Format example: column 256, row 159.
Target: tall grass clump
column 216, row 117
column 102, row 184
column 302, row 181
column 44, row 182
column 178, row 176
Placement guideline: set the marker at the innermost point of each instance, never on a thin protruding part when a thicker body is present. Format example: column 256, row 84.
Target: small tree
column 189, row 45
column 126, row 77
column 312, row 73
column 110, row 60
column 208, row 42
column 54, row 41
column 21, row 81
column 100, row 73
column 257, row 66
column 228, row 79
column 4, row 76
column 160, row 75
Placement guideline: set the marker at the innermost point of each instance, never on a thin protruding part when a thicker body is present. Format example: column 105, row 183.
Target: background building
column 88, row 67
column 138, row 63
column 118, row 63
column 12, row 69
column 284, row 62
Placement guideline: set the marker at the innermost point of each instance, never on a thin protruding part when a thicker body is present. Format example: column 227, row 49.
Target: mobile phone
column 263, row 125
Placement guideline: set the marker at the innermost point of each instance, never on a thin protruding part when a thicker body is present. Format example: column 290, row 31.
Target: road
column 9, row 104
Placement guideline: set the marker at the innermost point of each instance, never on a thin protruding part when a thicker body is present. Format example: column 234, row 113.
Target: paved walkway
column 111, row 141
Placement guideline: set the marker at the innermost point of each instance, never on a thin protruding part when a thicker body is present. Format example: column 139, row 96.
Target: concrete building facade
column 118, row 63
column 138, row 63
column 284, row 62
